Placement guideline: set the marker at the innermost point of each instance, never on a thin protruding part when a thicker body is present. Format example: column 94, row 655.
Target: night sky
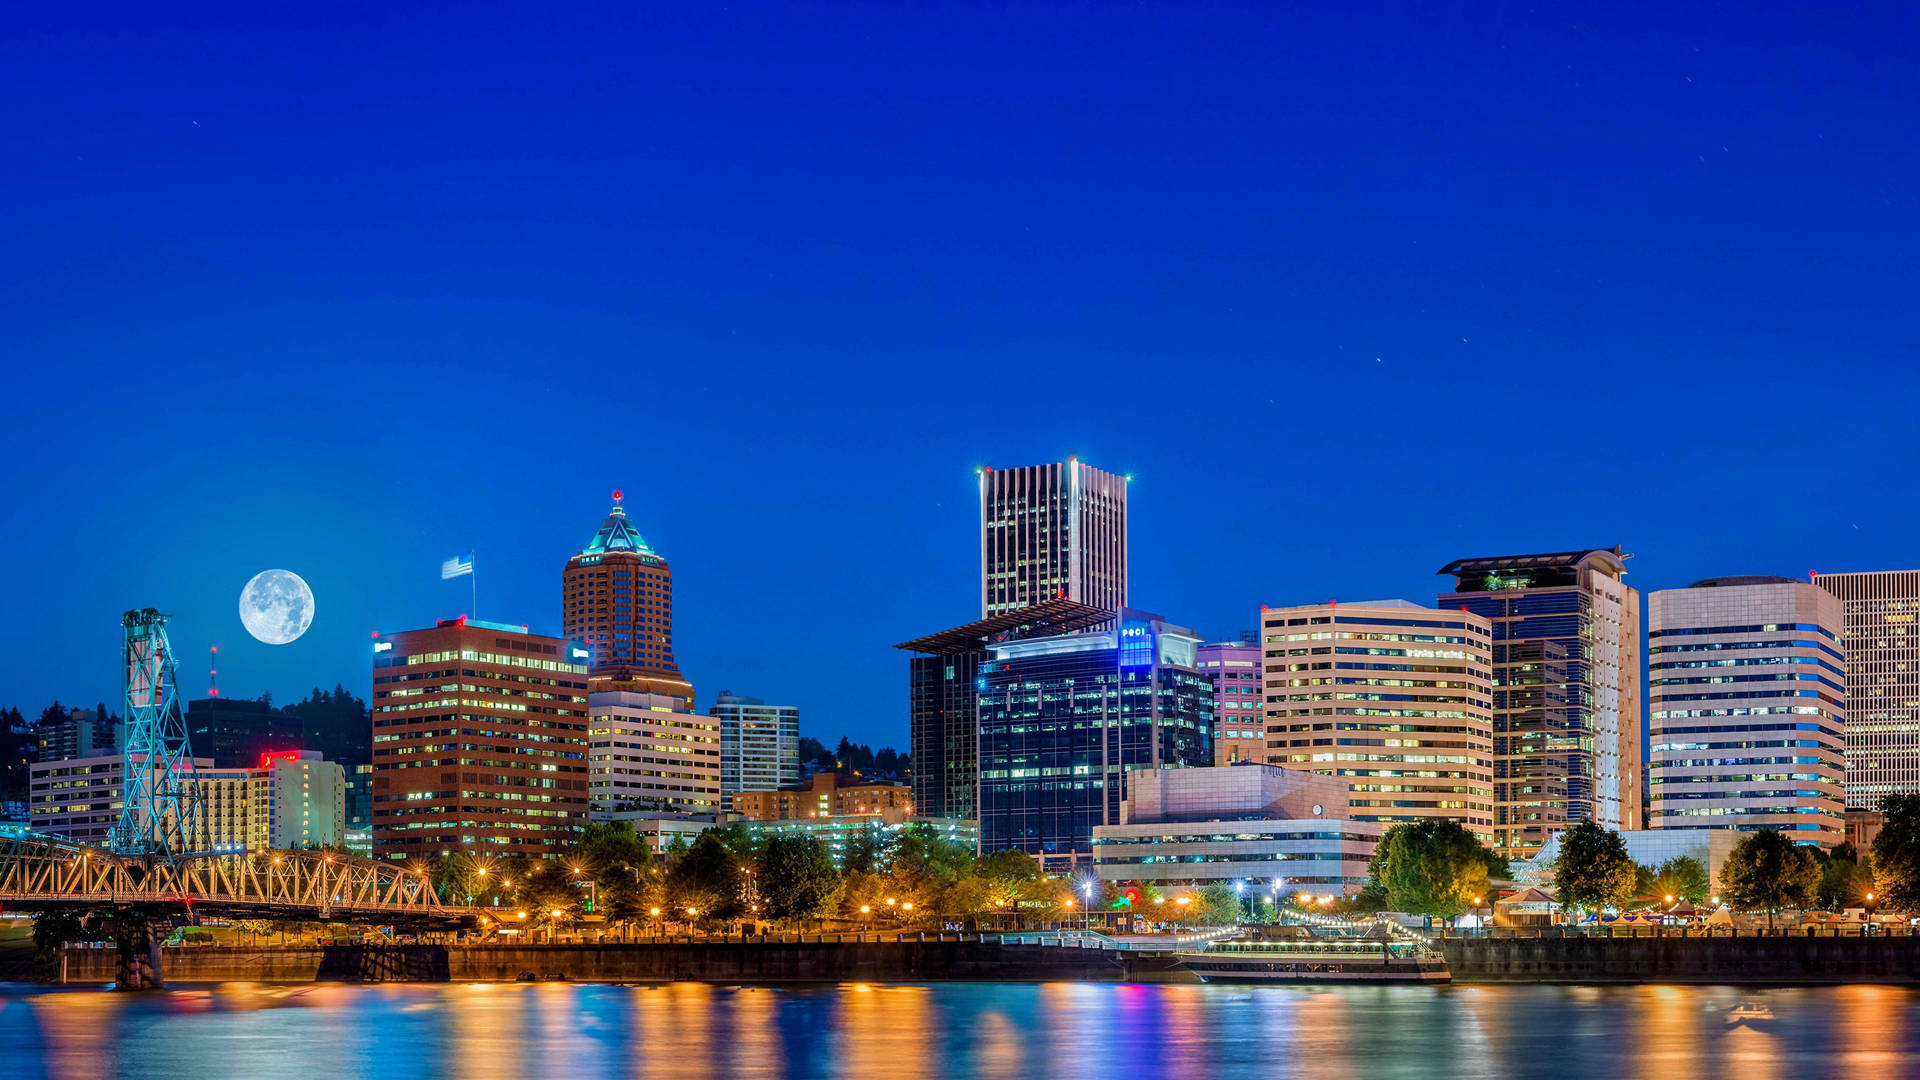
column 352, row 289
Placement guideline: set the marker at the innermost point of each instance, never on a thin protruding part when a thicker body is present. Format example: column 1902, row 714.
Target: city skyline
column 304, row 664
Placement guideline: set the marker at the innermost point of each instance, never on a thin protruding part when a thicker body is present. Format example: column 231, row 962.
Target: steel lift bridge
column 158, row 870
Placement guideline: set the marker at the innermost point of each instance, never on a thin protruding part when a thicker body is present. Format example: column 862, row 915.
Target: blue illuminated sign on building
column 1136, row 645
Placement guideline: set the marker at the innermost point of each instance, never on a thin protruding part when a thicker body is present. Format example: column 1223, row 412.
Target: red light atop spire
column 618, row 494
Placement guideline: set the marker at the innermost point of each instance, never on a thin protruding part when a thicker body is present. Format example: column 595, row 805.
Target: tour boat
column 1341, row 960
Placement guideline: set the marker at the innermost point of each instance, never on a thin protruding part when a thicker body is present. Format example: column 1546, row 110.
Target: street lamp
column 1086, row 890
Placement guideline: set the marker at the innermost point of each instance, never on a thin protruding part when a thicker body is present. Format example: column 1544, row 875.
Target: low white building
column 1262, row 826
column 1648, row 847
column 646, row 754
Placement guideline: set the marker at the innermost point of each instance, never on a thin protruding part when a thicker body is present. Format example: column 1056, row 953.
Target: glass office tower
column 944, row 685
column 1566, row 666
column 1062, row 719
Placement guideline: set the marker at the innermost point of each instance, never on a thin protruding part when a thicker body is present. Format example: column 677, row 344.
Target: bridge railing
column 41, row 869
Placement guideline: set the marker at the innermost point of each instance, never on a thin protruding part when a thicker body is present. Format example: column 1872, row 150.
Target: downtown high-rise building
column 1393, row 698
column 759, row 745
column 617, row 603
column 1053, row 560
column 1747, row 687
column 943, row 698
column 1051, row 531
column 1881, row 609
column 289, row 799
column 1064, row 718
column 649, row 755
column 1566, row 690
column 1239, row 721
column 479, row 741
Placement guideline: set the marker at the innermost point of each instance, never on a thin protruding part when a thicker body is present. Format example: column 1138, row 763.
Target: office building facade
column 290, row 799
column 617, row 602
column 825, row 795
column 943, row 731
column 1239, row 721
column 1260, row 829
column 1050, row 531
column 77, row 733
column 235, row 732
column 300, row 801
column 759, row 745
column 839, row 833
column 78, row 798
column 1566, row 662
column 1064, row 719
column 943, row 693
column 1882, row 643
column 358, row 834
column 650, row 754
column 479, row 742
column 1747, row 687
column 1393, row 698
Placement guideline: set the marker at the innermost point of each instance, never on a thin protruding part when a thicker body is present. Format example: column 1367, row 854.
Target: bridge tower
column 160, row 814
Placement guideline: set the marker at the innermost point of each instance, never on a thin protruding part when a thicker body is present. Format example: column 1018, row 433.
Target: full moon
column 276, row 606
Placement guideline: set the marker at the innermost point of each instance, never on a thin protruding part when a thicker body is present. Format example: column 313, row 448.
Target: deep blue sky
column 349, row 289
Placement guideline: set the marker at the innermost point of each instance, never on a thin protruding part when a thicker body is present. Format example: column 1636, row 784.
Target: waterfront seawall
column 701, row 961
column 1723, row 960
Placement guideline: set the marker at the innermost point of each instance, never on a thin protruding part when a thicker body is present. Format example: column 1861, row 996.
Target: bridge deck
column 39, row 872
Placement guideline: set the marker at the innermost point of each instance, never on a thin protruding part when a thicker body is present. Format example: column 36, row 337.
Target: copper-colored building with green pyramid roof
column 618, row 603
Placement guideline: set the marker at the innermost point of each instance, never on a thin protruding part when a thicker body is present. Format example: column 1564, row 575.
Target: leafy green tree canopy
column 1766, row 870
column 1896, row 855
column 1593, row 869
column 797, row 878
column 1432, row 868
column 1682, row 877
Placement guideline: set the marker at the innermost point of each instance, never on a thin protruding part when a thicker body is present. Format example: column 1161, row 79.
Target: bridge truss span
column 39, row 872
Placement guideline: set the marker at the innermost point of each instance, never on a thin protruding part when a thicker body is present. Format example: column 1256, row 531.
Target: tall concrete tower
column 1051, row 531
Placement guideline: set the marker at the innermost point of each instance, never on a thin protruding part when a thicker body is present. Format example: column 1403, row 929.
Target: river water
column 1057, row 1031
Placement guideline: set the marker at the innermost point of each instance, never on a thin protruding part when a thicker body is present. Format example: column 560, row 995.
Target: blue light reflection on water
column 1057, row 1031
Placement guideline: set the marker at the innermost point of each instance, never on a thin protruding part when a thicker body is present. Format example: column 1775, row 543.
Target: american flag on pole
column 458, row 566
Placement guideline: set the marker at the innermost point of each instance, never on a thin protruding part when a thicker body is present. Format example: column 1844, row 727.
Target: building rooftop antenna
column 213, row 671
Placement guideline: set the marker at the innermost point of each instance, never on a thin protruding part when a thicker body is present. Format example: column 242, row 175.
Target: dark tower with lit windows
column 618, row 604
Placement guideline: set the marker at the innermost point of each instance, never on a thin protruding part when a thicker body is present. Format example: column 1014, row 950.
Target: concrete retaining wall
column 1751, row 960
column 718, row 961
